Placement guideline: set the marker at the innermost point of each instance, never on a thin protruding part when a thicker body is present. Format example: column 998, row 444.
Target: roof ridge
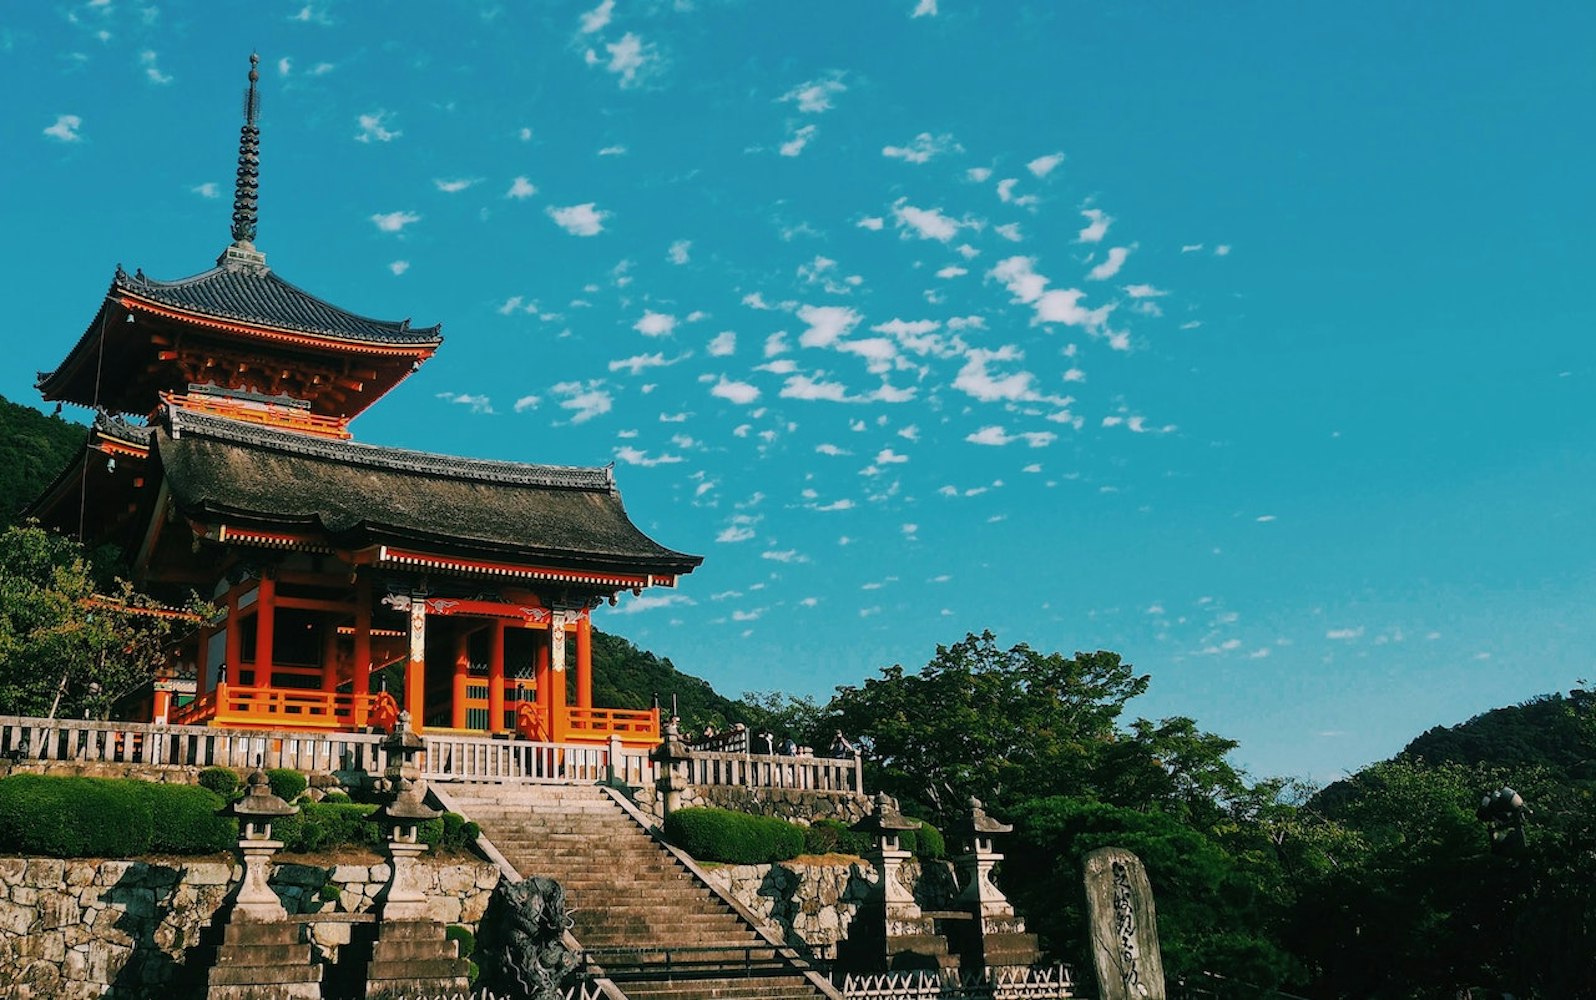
column 591, row 478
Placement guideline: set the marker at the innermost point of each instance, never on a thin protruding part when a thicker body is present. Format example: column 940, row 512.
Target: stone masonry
column 74, row 929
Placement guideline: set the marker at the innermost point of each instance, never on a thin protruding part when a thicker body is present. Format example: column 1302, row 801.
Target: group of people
column 765, row 742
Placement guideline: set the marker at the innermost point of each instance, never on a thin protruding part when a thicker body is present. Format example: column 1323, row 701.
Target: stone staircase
column 642, row 914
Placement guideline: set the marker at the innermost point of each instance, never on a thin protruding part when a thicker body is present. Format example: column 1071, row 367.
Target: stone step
column 254, row 932
column 389, row 931
column 263, row 955
column 418, row 970
column 405, row 950
column 266, row 975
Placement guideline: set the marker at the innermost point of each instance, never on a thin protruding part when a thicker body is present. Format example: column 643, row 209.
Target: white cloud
column 831, row 449
column 737, row 392
column 1222, row 250
column 585, row 399
column 1144, row 291
column 612, row 151
column 66, row 128
column 285, row 65
column 399, row 267
column 797, row 141
column 648, row 602
column 632, row 456
column 975, row 379
column 521, row 189
column 374, row 128
column 476, row 401
column 826, row 324
column 678, row 252
column 598, row 17
column 927, row 223
column 725, row 343
column 978, row 174
column 922, row 148
column 784, row 556
column 639, row 363
column 152, row 72
column 878, row 352
column 525, row 135
column 393, row 222
column 887, row 456
column 1097, row 223
column 815, row 96
column 872, row 222
column 527, row 403
column 655, row 324
column 807, row 388
column 629, row 59
column 579, row 220
column 207, row 190
column 456, row 185
column 843, row 504
column 1344, row 634
column 952, row 271
column 1019, row 275
column 997, row 437
column 1044, row 165
column 925, row 8
column 1110, row 267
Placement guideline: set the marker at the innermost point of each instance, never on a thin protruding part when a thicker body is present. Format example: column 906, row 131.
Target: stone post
column 904, row 916
column 404, row 901
column 985, row 900
column 256, row 900
column 671, row 755
column 615, row 765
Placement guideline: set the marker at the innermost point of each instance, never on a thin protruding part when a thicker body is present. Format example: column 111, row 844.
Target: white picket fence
column 146, row 744
column 1055, row 983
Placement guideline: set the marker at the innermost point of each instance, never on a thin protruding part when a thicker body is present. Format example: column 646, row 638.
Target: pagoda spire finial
column 247, row 192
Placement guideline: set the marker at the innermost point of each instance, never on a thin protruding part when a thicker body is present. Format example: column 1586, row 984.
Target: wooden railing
column 274, row 707
column 25, row 740
column 473, row 758
column 584, row 725
column 817, row 774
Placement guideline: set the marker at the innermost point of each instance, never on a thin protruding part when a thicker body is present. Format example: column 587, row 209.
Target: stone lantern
column 1001, row 938
column 255, row 812
column 672, row 756
column 885, row 822
column 403, row 814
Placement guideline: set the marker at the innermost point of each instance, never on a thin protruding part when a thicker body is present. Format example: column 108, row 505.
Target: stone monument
column 1123, row 927
column 999, row 937
column 892, row 931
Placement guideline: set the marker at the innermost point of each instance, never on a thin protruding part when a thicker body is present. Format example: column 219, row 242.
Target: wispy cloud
column 630, row 59
column 393, row 222
column 814, row 97
column 797, row 140
column 1110, row 266
column 399, row 267
column 598, row 17
column 579, row 220
column 374, row 128
column 922, row 148
column 586, row 400
column 737, row 392
column 996, row 436
column 522, row 189
column 209, row 189
column 679, row 251
column 477, row 402
column 1097, row 223
column 926, row 223
column 152, row 71
column 1044, row 165
column 925, row 8
column 66, row 129
column 655, row 324
column 456, row 185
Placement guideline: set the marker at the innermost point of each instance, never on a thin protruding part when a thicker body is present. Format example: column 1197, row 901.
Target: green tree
column 60, row 632
column 34, row 449
column 982, row 720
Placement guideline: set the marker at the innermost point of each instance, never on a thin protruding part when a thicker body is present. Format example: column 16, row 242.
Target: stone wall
column 80, row 929
column 801, row 805
column 813, row 905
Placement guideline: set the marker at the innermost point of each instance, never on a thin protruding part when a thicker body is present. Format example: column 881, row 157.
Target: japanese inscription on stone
column 1124, row 927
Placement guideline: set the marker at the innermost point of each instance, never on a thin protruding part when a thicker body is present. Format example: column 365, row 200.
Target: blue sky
column 1252, row 343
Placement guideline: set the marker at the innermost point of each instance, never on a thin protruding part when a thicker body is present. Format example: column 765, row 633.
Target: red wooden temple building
column 222, row 463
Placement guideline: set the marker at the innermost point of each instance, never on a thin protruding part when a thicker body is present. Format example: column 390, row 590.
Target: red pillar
column 233, row 652
column 265, row 622
column 462, row 672
column 545, row 689
column 360, row 669
column 584, row 662
column 416, row 668
column 496, row 677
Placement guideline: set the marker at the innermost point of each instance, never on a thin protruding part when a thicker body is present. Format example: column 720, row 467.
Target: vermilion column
column 545, row 689
column 360, row 671
column 462, row 671
column 496, row 678
column 265, row 622
column 584, row 662
column 416, row 669
column 233, row 652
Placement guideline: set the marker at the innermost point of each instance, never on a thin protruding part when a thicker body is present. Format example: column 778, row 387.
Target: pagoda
column 221, row 462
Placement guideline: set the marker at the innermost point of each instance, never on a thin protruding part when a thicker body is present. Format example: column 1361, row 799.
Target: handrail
column 803, row 772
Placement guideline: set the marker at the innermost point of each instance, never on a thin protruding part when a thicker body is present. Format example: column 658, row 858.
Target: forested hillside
column 33, row 449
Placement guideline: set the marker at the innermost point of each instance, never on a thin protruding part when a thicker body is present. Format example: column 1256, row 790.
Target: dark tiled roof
column 121, row 429
column 257, row 295
column 360, row 494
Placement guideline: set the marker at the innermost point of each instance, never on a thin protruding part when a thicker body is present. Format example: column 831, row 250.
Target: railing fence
column 1055, row 983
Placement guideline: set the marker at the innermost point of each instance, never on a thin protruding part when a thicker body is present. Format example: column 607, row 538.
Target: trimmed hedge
column 287, row 784
column 733, row 837
column 109, row 817
column 926, row 842
column 829, row 836
column 224, row 781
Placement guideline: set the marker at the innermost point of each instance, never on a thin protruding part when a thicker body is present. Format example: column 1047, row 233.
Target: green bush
column 224, row 781
column 336, row 797
column 321, row 826
column 448, row 832
column 73, row 817
column 828, row 836
column 183, row 819
column 468, row 940
column 287, row 784
column 733, row 837
column 926, row 842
